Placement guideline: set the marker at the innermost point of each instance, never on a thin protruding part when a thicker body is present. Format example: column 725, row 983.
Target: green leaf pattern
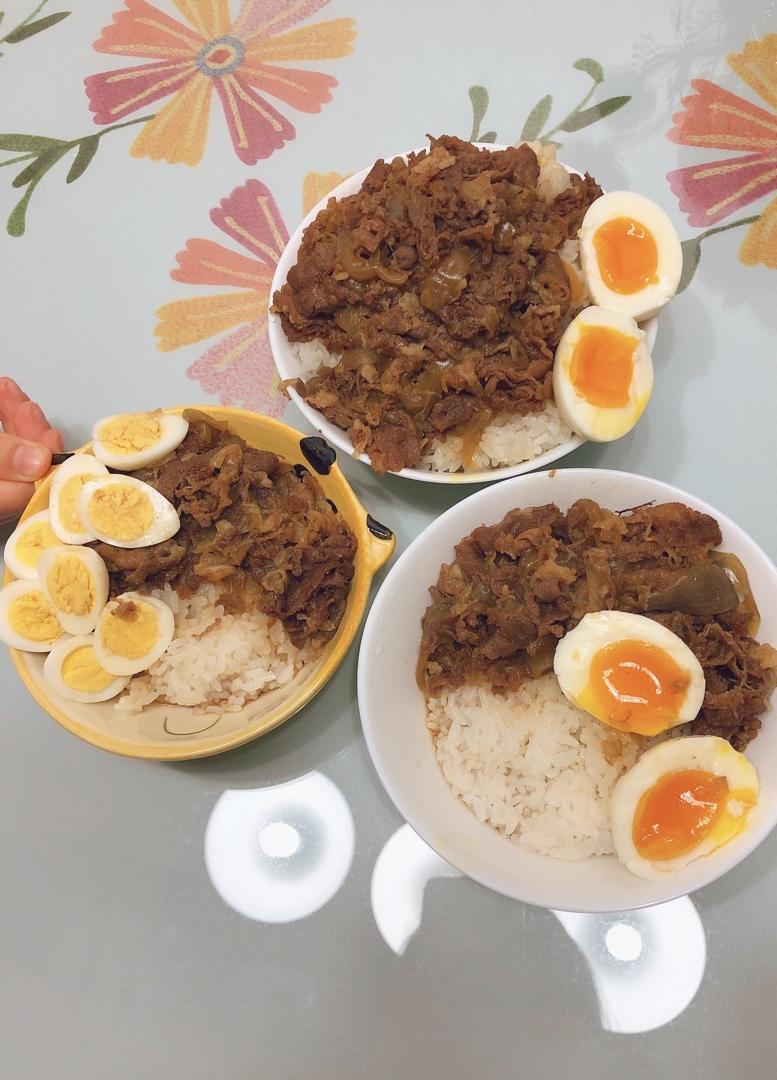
column 692, row 248
column 535, row 126
column 478, row 96
column 590, row 67
column 596, row 112
column 537, row 119
column 31, row 26
column 83, row 158
column 35, row 144
column 28, row 30
column 41, row 153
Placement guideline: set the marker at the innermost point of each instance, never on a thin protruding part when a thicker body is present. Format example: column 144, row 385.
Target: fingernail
column 13, row 387
column 29, row 461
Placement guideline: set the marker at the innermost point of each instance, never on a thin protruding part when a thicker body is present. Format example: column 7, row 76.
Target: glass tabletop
column 267, row 912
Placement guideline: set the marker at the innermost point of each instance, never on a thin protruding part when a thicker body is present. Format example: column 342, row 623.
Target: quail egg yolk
column 121, row 511
column 70, row 586
column 31, row 616
column 33, row 542
column 627, row 255
column 81, row 671
column 680, row 811
column 131, row 433
column 602, row 366
column 635, row 686
column 130, row 630
column 68, row 502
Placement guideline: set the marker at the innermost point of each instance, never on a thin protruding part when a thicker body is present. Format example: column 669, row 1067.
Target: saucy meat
column 514, row 589
column 441, row 285
column 261, row 531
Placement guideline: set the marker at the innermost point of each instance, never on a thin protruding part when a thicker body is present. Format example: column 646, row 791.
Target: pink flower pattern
column 212, row 52
column 239, row 369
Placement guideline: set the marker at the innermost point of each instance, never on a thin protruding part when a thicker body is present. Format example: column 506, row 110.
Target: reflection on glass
column 279, row 840
column 399, row 878
column 279, row 853
column 646, row 965
column 623, row 942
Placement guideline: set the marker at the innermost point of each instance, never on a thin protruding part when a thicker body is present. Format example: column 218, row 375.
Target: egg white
column 165, row 524
column 649, row 300
column 173, row 432
column 576, row 650
column 11, row 558
column 8, row 635
column 98, row 575
column 596, row 422
column 706, row 752
column 78, row 465
column 52, row 673
column 124, row 665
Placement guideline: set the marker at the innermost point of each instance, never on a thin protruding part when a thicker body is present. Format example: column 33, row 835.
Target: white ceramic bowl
column 393, row 714
column 288, row 365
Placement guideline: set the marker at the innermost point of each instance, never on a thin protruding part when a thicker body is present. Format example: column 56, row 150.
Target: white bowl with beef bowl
column 394, row 714
column 287, row 359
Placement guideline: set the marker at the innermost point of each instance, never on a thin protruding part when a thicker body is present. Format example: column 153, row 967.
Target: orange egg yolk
column 627, row 255
column 635, row 686
column 602, row 366
column 677, row 813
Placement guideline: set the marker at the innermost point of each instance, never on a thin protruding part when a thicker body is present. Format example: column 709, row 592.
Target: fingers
column 11, row 397
column 22, row 459
column 53, row 439
column 26, row 445
column 29, row 421
column 13, row 499
column 25, row 418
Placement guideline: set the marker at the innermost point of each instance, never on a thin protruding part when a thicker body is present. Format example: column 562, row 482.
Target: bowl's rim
column 279, row 346
column 375, row 552
column 665, row 491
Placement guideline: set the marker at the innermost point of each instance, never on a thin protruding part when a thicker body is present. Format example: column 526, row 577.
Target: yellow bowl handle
column 381, row 543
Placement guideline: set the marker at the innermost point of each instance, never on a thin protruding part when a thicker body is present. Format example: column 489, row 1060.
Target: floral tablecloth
column 153, row 159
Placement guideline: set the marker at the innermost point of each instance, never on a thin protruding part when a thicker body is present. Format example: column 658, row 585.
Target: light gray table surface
column 143, row 931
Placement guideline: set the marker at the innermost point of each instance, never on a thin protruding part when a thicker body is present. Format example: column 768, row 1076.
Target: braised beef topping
column 251, row 524
column 441, row 285
column 514, row 589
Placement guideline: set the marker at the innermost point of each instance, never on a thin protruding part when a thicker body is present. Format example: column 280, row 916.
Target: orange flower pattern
column 214, row 53
column 716, row 118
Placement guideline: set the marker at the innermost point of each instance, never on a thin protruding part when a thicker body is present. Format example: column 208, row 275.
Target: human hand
column 27, row 442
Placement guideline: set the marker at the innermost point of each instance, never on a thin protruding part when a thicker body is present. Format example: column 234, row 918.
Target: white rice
column 509, row 439
column 311, row 355
column 553, row 178
column 216, row 662
column 532, row 765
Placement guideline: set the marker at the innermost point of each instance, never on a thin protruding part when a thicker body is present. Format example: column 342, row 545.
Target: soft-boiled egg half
column 132, row 633
column 125, row 512
column 73, row 670
column 134, row 440
column 630, row 254
column 66, row 485
column 630, row 672
column 602, row 374
column 75, row 580
column 683, row 799
column 27, row 543
column 27, row 619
